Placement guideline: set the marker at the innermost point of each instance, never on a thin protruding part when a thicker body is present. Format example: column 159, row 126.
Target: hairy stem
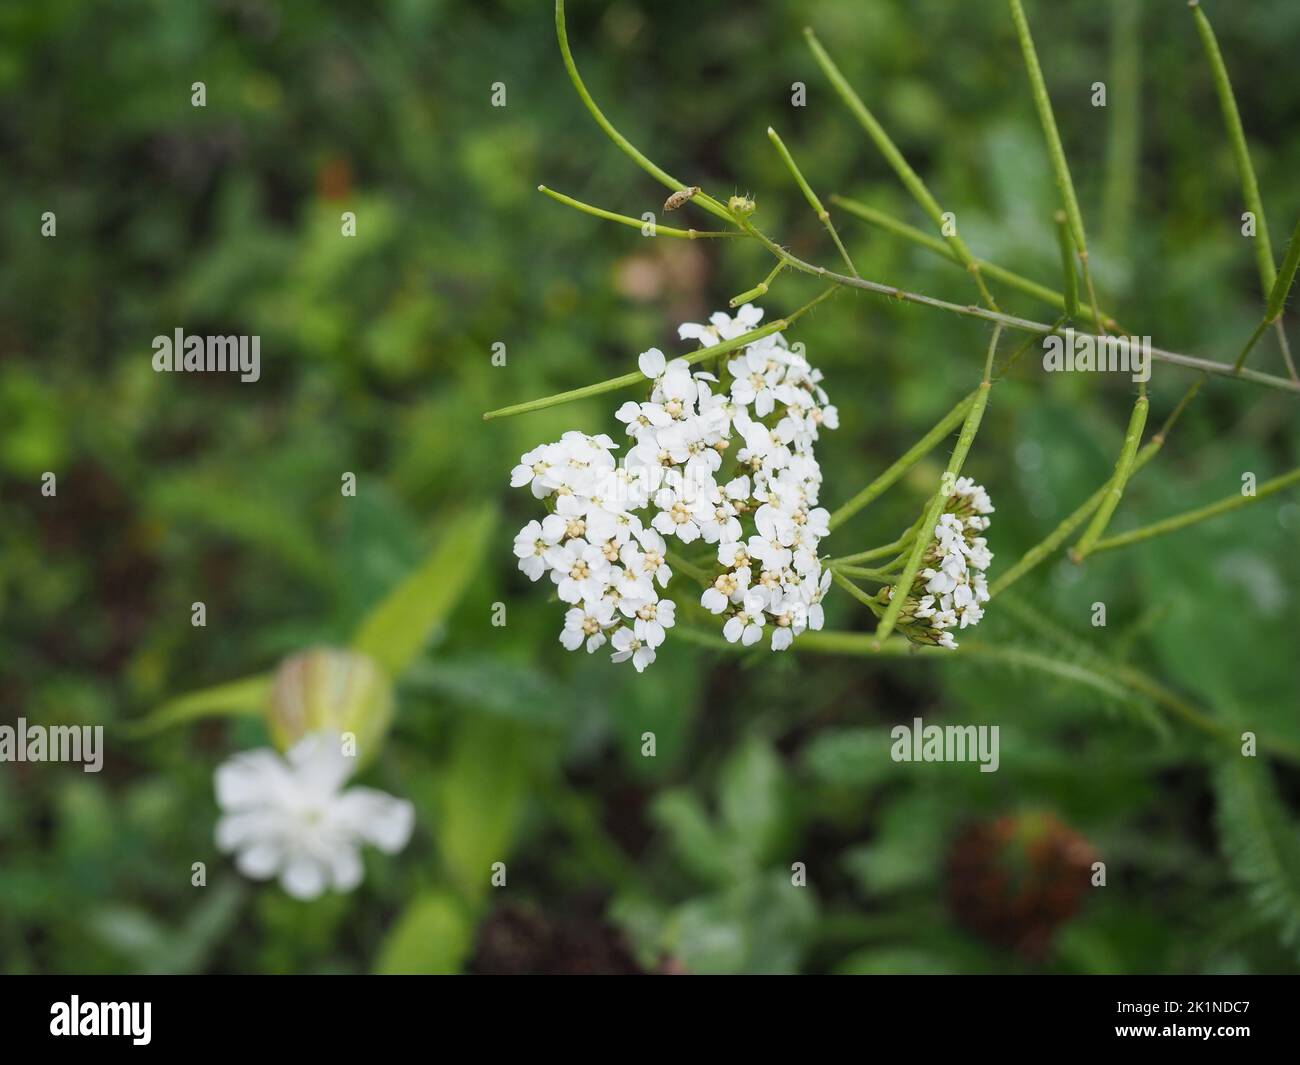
column 702, row 199
column 1115, row 489
column 926, row 532
column 655, row 230
column 1237, row 138
column 909, row 177
column 1056, row 152
column 905, row 462
column 813, row 201
column 890, row 224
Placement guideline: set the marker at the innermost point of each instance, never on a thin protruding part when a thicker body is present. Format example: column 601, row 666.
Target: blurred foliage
column 377, row 361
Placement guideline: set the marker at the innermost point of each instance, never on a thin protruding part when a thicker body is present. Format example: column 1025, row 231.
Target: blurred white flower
column 290, row 817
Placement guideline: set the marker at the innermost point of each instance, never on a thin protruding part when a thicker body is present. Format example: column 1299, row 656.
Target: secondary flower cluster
column 755, row 504
column 947, row 594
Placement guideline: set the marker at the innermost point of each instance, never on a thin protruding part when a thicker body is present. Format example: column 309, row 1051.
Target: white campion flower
column 290, row 817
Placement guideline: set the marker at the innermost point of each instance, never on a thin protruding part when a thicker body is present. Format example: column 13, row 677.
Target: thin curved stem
column 808, row 194
column 904, row 462
column 890, row 224
column 655, row 230
column 658, row 173
column 909, row 177
column 1192, row 517
column 926, row 531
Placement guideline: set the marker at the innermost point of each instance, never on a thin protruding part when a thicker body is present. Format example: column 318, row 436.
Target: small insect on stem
column 680, row 197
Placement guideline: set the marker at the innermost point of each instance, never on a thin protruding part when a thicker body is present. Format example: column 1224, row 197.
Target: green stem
column 910, row 179
column 1250, row 344
column 1067, row 266
column 1115, row 489
column 853, row 590
column 875, row 552
column 1120, row 182
column 926, row 532
column 809, row 195
column 1047, row 119
column 759, row 290
column 909, row 458
column 1010, row 321
column 891, row 224
column 1237, row 137
column 1277, row 297
column 1035, row 555
column 863, row 573
column 702, row 199
column 1124, row 680
column 691, row 570
column 636, row 377
column 1014, row 357
column 1191, row 517
column 1056, row 152
column 656, row 230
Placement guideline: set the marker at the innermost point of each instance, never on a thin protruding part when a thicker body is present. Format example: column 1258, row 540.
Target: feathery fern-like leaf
column 1261, row 842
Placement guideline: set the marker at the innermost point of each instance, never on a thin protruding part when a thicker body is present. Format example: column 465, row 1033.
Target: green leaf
column 760, row 925
column 751, row 799
column 850, row 757
column 693, row 836
column 240, row 698
column 501, row 688
column 481, row 799
column 396, row 631
column 434, row 936
column 1261, row 842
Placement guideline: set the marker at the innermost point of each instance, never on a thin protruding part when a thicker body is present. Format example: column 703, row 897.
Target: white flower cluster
column 953, row 584
column 761, row 514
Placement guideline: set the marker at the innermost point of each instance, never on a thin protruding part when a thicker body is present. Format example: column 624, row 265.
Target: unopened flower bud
column 331, row 689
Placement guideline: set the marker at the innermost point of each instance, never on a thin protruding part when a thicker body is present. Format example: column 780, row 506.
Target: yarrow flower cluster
column 947, row 593
column 755, row 504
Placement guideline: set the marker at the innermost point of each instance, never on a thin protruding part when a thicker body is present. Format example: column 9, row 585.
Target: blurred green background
column 376, row 359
